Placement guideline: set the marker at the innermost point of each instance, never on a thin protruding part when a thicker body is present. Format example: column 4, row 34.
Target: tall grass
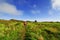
column 15, row 30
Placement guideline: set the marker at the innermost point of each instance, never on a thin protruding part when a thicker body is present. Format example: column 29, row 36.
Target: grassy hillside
column 16, row 30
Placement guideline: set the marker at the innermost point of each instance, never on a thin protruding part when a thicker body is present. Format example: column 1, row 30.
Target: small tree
column 35, row 20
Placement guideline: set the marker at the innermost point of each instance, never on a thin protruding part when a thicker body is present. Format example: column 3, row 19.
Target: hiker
column 24, row 23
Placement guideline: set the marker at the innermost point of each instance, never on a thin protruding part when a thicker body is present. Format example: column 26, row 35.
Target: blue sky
column 41, row 10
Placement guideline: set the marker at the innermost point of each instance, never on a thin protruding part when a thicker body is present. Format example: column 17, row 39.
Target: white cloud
column 2, row 1
column 9, row 9
column 55, row 10
column 35, row 11
column 56, row 4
